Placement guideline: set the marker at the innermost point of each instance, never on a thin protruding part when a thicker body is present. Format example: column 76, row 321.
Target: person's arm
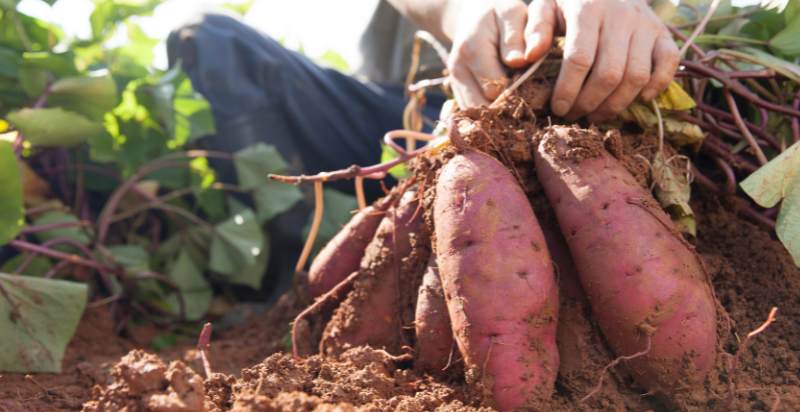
column 615, row 50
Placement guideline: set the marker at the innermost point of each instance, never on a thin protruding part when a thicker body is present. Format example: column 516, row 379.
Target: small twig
column 377, row 171
column 203, row 343
column 613, row 363
column 319, row 206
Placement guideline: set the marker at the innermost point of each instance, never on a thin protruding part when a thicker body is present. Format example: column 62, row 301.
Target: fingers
column 580, row 48
column 666, row 58
column 466, row 89
column 539, row 29
column 608, row 71
column 636, row 76
column 511, row 19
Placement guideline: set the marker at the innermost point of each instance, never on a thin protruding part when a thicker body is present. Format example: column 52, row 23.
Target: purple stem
column 730, row 177
column 45, row 250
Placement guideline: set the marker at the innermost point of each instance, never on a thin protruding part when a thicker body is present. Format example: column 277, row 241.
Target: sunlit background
column 317, row 26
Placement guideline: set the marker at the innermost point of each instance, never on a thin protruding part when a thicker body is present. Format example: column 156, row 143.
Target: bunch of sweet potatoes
column 469, row 276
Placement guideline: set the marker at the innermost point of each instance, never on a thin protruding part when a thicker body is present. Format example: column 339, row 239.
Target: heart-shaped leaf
column 37, row 319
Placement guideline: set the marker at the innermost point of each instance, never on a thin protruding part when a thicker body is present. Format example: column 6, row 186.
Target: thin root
column 362, row 201
column 319, row 206
column 613, row 363
column 331, row 294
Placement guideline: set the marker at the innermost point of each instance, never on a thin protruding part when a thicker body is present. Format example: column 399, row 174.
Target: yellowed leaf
column 675, row 98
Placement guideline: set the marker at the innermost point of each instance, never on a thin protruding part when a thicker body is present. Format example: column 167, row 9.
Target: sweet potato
column 434, row 337
column 645, row 284
column 342, row 254
column 498, row 281
column 372, row 313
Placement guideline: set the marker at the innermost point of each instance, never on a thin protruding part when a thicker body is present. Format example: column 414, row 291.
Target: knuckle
column 610, row 76
column 638, row 78
column 580, row 59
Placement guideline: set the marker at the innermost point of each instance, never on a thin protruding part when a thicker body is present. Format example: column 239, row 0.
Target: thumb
column 539, row 29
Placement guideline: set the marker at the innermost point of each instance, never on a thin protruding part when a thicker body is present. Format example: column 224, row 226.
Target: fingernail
column 533, row 42
column 560, row 107
column 513, row 55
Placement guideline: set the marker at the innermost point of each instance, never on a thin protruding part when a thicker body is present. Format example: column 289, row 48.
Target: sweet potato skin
column 642, row 280
column 372, row 313
column 498, row 281
column 342, row 254
column 434, row 337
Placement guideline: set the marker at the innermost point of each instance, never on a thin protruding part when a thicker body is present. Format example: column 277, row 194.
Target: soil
column 750, row 270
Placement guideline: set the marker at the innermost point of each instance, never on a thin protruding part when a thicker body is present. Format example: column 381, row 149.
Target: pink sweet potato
column 434, row 335
column 372, row 313
column 341, row 255
column 644, row 282
column 498, row 281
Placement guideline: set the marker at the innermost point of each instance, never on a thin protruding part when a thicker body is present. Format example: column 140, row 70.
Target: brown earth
column 750, row 271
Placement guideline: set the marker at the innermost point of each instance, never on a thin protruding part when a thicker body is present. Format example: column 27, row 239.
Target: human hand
column 614, row 51
column 486, row 36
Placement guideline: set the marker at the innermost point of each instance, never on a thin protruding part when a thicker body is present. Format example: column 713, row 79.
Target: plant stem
column 72, row 258
column 743, row 128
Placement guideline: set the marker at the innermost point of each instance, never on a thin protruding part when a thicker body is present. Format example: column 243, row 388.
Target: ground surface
column 751, row 273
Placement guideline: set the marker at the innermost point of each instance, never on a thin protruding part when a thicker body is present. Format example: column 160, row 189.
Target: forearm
column 435, row 16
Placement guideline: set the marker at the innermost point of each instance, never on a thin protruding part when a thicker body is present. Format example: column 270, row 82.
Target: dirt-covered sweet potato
column 646, row 286
column 498, row 281
column 434, row 337
column 342, row 255
column 373, row 312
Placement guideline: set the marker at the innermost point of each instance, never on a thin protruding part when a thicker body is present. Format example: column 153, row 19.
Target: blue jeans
column 319, row 119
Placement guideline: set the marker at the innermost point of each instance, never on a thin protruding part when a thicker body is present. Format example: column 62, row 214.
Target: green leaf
column 338, row 211
column 37, row 319
column 196, row 291
column 753, row 55
column 107, row 13
column 33, row 80
column 788, row 224
column 10, row 62
column 37, row 267
column 780, row 179
column 59, row 64
column 53, row 126
column 8, row 4
column 334, row 60
column 12, row 214
column 786, row 41
column 387, row 153
column 240, row 8
column 91, row 96
column 73, row 233
column 133, row 258
column 251, row 275
column 274, row 198
column 769, row 184
column 193, row 117
column 236, row 244
column 255, row 163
